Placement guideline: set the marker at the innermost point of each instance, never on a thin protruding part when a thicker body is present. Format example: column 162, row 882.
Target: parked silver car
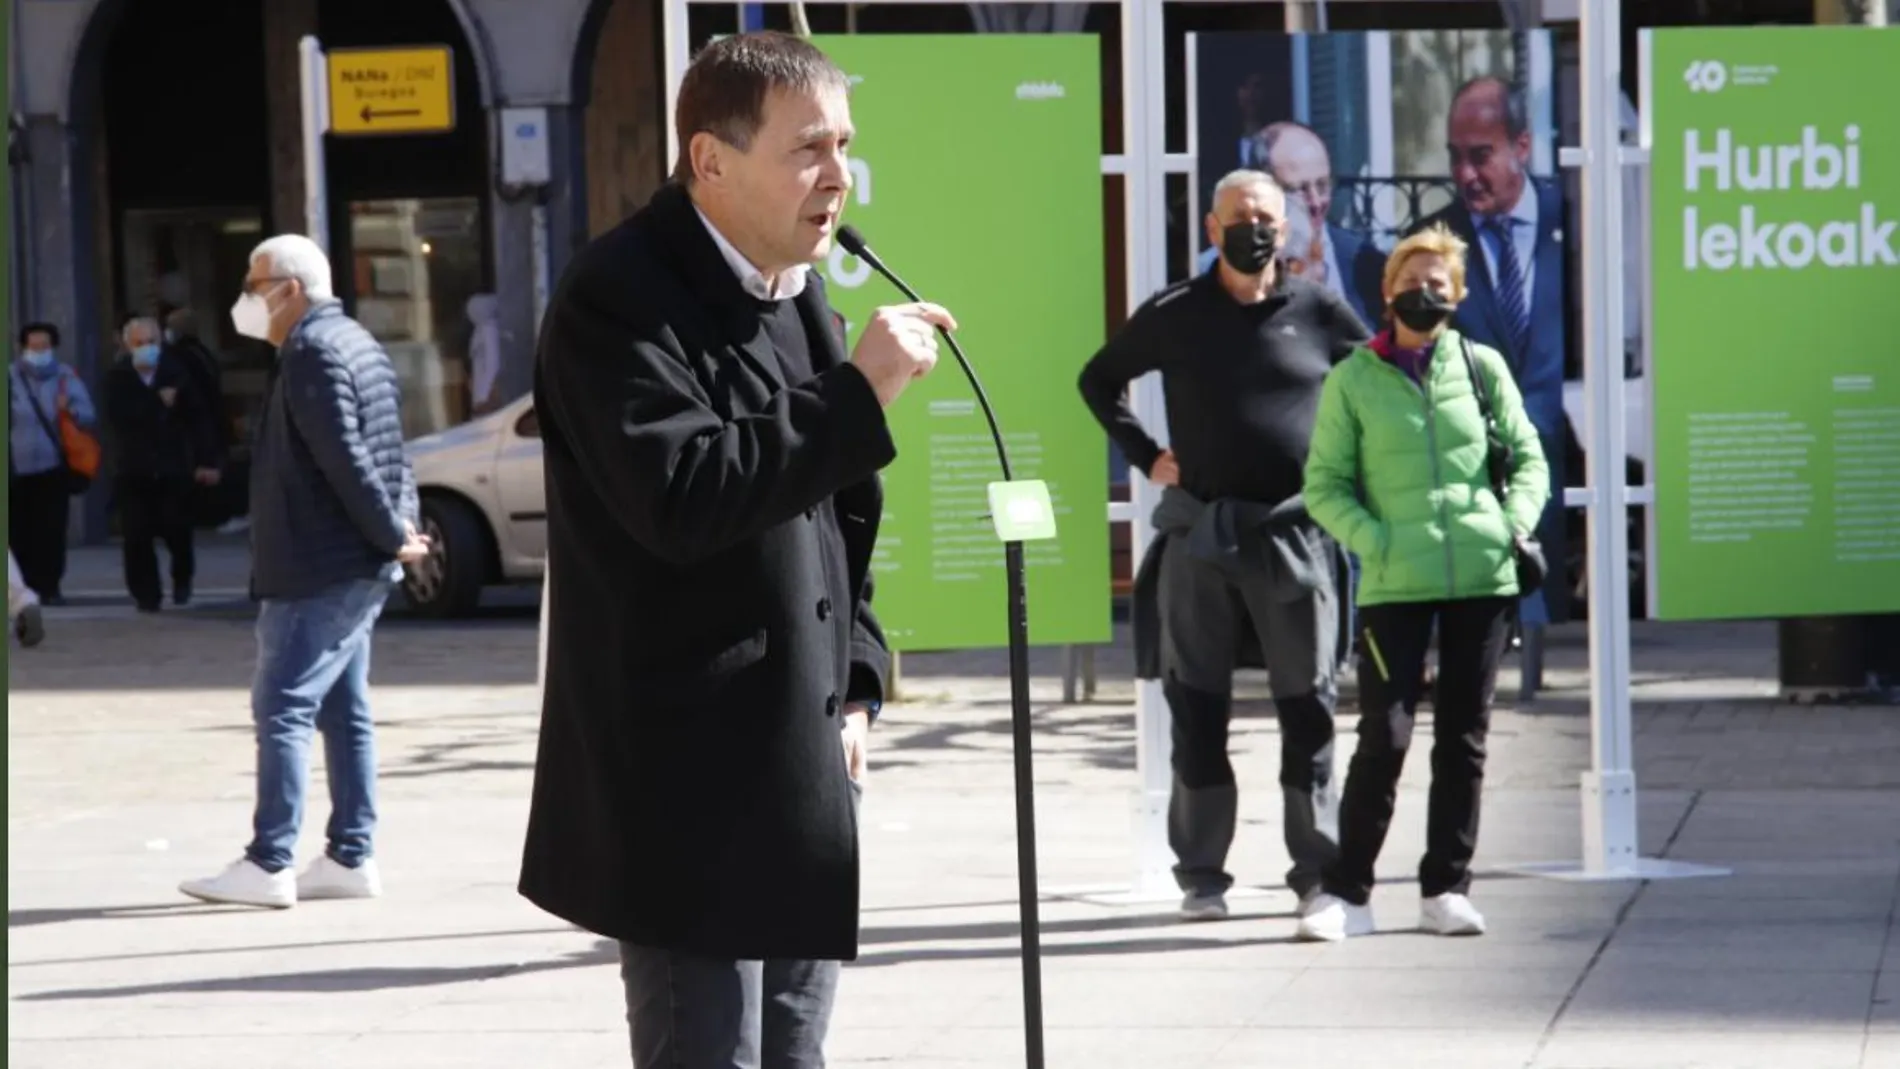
column 484, row 509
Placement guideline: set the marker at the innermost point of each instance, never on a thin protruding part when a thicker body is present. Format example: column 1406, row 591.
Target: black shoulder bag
column 1500, row 459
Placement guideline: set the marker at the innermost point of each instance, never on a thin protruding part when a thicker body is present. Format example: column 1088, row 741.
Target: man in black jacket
column 166, row 444
column 713, row 661
column 1242, row 352
column 333, row 510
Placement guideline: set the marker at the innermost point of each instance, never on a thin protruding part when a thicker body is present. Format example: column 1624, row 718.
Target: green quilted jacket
column 1397, row 474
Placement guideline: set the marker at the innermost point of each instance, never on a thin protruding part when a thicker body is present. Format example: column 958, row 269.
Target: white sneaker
column 244, row 884
column 1330, row 919
column 328, row 878
column 1450, row 914
column 1204, row 906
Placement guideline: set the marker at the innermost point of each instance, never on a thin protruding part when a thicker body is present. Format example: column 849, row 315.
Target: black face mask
column 1249, row 247
column 1422, row 310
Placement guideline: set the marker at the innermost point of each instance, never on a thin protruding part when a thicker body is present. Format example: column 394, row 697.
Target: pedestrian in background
column 211, row 502
column 23, row 607
column 166, row 442
column 1242, row 351
column 45, row 395
column 713, row 663
column 333, row 512
column 1403, row 470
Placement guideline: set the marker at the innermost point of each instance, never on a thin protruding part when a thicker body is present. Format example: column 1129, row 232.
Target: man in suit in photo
column 1315, row 248
column 1513, row 222
column 713, row 663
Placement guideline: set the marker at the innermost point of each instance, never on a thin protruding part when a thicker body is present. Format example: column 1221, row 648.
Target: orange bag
column 81, row 448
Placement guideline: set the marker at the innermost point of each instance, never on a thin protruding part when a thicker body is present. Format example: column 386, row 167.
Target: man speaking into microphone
column 713, row 662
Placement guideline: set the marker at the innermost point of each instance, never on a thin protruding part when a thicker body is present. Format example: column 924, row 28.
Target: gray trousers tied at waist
column 1270, row 554
column 1219, row 571
column 1217, row 567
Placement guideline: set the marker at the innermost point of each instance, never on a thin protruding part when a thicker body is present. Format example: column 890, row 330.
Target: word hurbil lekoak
column 1810, row 165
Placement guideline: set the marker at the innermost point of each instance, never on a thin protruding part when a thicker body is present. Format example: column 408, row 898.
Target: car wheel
column 448, row 582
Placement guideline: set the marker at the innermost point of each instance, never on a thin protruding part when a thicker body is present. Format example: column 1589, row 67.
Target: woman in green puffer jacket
column 1398, row 472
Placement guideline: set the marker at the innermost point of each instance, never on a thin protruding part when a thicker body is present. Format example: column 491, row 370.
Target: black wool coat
column 710, row 528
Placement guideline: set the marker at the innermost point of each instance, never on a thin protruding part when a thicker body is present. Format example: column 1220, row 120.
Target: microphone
column 854, row 243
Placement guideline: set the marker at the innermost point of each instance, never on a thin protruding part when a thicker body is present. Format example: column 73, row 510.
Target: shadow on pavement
column 331, row 981
column 26, row 918
column 1103, row 948
column 922, row 933
column 200, row 909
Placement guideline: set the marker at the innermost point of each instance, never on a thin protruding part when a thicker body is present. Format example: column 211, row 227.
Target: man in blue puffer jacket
column 333, row 514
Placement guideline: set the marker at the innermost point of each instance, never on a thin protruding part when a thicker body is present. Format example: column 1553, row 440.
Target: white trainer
column 1330, row 919
column 244, row 884
column 1450, row 914
column 1204, row 906
column 328, row 878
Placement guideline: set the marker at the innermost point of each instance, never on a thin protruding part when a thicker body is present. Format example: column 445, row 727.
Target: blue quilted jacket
column 331, row 485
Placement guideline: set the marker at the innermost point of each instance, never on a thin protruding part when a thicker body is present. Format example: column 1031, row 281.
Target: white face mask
column 251, row 316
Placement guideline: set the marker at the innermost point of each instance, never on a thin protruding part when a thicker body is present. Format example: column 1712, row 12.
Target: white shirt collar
column 791, row 281
column 1524, row 212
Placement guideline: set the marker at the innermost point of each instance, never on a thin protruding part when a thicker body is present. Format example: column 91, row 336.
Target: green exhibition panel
column 1775, row 208
column 977, row 168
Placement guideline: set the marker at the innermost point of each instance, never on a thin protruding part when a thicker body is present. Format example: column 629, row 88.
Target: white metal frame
column 313, row 71
column 1609, row 789
column 1610, row 815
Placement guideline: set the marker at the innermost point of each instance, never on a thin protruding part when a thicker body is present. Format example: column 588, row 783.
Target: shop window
column 416, row 265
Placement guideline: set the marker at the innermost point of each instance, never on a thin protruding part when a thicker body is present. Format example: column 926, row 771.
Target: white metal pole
column 538, row 228
column 1144, row 193
column 678, row 55
column 1609, row 788
column 541, row 651
column 314, row 77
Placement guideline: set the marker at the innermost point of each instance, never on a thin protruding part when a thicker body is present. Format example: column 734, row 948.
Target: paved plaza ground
column 129, row 768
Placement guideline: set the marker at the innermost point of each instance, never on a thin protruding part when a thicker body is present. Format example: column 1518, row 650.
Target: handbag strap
column 1479, row 385
column 1495, row 465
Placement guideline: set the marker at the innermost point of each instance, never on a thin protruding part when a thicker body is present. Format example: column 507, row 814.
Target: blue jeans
column 313, row 671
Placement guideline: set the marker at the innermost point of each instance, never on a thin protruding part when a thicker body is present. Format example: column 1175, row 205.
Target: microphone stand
column 1027, row 886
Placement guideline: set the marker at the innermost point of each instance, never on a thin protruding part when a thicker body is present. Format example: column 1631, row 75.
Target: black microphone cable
column 853, row 243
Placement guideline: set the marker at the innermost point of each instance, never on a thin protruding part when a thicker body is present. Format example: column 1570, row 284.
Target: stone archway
column 621, row 106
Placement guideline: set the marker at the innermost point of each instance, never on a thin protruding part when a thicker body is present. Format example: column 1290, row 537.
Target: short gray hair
column 296, row 256
column 149, row 325
column 1242, row 178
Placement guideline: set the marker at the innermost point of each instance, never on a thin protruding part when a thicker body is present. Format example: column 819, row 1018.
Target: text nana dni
column 1808, row 165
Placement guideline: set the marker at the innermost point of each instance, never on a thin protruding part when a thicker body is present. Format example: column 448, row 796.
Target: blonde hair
column 1435, row 240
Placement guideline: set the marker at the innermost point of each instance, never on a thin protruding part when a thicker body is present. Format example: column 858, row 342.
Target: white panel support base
column 1154, row 863
column 1642, row 868
column 1610, row 830
column 1609, row 841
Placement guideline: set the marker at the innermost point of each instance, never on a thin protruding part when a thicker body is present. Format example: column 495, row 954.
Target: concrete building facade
column 127, row 202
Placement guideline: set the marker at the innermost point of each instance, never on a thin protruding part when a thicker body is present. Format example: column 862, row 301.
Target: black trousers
column 1393, row 643
column 39, row 507
column 154, row 509
column 691, row 1012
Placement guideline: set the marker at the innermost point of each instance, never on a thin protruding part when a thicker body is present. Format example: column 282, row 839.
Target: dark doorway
column 172, row 106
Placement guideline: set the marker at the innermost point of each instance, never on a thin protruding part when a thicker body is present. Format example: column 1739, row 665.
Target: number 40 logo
column 1706, row 76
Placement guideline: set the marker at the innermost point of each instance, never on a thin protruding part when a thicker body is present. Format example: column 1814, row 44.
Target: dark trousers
column 1393, row 643
column 153, row 510
column 690, row 1012
column 1201, row 624
column 39, row 507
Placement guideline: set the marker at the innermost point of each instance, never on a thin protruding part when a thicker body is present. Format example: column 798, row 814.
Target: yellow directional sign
column 392, row 90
